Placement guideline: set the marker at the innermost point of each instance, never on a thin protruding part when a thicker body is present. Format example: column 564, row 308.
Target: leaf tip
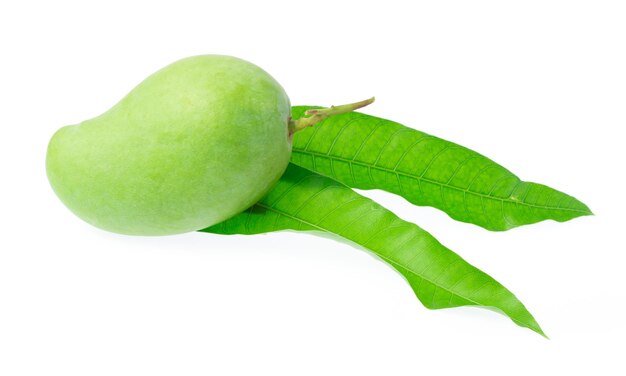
column 583, row 209
column 532, row 324
column 537, row 329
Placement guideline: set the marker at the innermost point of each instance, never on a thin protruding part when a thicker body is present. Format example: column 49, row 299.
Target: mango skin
column 192, row 145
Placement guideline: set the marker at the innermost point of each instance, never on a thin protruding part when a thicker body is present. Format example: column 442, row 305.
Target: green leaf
column 305, row 201
column 367, row 152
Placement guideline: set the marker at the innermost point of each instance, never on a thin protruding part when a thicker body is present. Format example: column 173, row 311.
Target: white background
column 539, row 86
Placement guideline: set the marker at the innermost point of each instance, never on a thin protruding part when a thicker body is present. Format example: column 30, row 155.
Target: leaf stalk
column 317, row 115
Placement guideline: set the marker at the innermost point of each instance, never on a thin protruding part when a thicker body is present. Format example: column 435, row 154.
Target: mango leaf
column 306, row 201
column 367, row 152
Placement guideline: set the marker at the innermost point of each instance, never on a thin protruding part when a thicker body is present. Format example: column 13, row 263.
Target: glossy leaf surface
column 306, row 201
column 367, row 152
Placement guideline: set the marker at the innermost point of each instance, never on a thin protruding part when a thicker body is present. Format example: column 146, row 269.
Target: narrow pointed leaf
column 306, row 201
column 367, row 152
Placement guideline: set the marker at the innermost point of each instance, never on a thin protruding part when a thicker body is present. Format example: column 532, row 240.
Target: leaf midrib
column 418, row 178
column 391, row 261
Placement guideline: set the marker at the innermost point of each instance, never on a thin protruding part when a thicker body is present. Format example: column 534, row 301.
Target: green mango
column 192, row 145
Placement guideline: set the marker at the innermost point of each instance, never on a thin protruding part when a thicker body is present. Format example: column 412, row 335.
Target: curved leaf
column 305, row 201
column 367, row 152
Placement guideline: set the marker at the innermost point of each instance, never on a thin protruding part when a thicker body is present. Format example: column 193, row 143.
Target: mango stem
column 317, row 115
